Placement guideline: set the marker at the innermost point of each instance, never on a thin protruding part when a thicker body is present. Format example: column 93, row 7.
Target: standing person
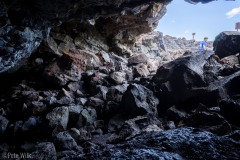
column 203, row 44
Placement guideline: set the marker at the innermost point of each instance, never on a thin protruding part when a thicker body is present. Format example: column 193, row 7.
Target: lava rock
column 133, row 127
column 181, row 143
column 58, row 117
column 44, row 151
column 115, row 93
column 226, row 44
column 74, row 112
column 118, row 77
column 86, row 117
column 176, row 114
column 136, row 59
column 139, row 100
column 141, row 70
column 3, row 124
column 64, row 141
column 230, row 109
column 182, row 80
column 212, row 122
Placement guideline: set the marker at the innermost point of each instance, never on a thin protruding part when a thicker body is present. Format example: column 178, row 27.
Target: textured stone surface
column 227, row 43
column 182, row 143
column 138, row 100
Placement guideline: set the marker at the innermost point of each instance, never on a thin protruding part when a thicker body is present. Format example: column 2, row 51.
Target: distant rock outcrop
column 162, row 49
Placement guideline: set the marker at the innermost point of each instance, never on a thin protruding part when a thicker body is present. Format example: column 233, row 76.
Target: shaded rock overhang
column 25, row 23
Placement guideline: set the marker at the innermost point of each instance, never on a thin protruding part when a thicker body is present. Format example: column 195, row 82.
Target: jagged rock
column 231, row 110
column 119, row 63
column 182, row 79
column 75, row 133
column 231, row 60
column 95, row 102
column 181, row 143
column 115, row 93
column 74, row 112
column 44, row 151
column 212, row 122
column 19, row 44
column 86, row 117
column 235, row 135
column 176, row 114
column 103, row 90
column 153, row 65
column 136, row 59
column 141, row 70
column 64, row 141
column 226, row 87
column 138, row 100
column 226, row 44
column 134, row 127
column 58, row 117
column 83, row 101
column 74, row 86
column 69, row 66
column 29, row 124
column 4, row 123
column 118, row 77
column 65, row 100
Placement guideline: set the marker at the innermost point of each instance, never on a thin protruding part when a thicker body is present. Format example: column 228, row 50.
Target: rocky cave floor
column 187, row 109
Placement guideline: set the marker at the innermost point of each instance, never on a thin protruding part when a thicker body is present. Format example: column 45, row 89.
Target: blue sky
column 206, row 20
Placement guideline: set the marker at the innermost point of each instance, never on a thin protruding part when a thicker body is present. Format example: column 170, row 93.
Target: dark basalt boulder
column 230, row 109
column 181, row 143
column 227, row 43
column 182, row 79
column 139, row 100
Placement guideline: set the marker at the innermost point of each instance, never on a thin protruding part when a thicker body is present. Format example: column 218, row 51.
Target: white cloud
column 187, row 31
column 233, row 12
column 173, row 21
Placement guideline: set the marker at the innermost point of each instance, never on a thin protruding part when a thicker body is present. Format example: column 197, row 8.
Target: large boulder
column 227, row 43
column 139, row 100
column 182, row 79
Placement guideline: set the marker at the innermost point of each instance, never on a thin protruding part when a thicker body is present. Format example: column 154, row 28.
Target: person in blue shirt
column 203, row 44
